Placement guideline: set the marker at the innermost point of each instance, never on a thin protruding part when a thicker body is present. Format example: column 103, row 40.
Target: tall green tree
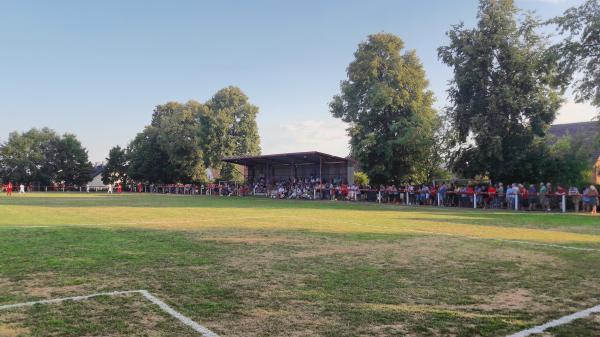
column 568, row 162
column 231, row 129
column 70, row 162
column 147, row 161
column 505, row 92
column 116, row 166
column 23, row 158
column 580, row 51
column 43, row 157
column 184, row 139
column 389, row 110
column 180, row 137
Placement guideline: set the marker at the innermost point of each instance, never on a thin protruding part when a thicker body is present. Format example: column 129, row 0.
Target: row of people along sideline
column 513, row 196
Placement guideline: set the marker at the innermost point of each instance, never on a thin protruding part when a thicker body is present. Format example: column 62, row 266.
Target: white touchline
column 162, row 305
column 557, row 322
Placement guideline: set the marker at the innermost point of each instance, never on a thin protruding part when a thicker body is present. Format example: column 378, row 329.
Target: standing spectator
column 549, row 198
column 544, row 197
column 21, row 189
column 344, row 191
column 9, row 188
column 500, row 190
column 533, row 197
column 511, row 192
column 442, row 193
column 586, row 199
column 593, row 199
column 492, row 195
column 576, row 197
column 560, row 191
column 524, row 196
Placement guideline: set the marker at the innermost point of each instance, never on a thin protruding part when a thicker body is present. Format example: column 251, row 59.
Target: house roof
column 581, row 129
column 97, row 170
column 587, row 131
column 286, row 159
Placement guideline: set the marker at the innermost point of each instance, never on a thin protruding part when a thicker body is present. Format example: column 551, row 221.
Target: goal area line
column 146, row 294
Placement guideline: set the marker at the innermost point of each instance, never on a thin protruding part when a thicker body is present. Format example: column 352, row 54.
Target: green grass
column 259, row 267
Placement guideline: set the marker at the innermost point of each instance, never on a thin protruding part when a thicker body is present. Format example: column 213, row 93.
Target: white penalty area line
column 147, row 295
column 557, row 322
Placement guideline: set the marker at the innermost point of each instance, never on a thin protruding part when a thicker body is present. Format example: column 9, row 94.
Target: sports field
column 259, row 267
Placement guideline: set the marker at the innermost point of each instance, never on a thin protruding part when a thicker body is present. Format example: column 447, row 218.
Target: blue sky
column 97, row 69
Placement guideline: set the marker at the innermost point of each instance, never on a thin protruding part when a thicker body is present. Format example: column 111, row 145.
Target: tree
column 231, row 130
column 116, row 166
column 184, row 139
column 568, row 162
column 389, row 109
column 23, row 156
column 147, row 161
column 361, row 179
column 580, row 50
column 180, row 136
column 70, row 161
column 505, row 92
column 42, row 156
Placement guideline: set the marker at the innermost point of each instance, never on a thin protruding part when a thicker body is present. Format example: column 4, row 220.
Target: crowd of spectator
column 526, row 197
column 517, row 196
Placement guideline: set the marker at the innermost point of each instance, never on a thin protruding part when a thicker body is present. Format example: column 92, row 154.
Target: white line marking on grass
column 183, row 319
column 146, row 294
column 74, row 298
column 557, row 322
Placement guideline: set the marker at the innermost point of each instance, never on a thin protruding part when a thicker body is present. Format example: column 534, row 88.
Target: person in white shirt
column 110, row 189
column 21, row 188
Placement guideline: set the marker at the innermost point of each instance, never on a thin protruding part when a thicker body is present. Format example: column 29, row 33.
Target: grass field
column 259, row 267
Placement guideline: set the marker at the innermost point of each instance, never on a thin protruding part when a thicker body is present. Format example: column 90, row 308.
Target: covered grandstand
column 312, row 165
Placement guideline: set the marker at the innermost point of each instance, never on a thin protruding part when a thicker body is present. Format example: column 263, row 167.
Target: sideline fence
column 562, row 202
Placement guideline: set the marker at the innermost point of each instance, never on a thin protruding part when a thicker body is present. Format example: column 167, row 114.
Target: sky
column 98, row 68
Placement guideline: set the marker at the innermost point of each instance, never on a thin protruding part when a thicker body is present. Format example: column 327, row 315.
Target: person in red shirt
column 471, row 193
column 344, row 190
column 139, row 187
column 119, row 188
column 491, row 190
column 9, row 188
column 524, row 195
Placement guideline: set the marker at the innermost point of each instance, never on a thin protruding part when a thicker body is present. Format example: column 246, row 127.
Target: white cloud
column 572, row 112
column 325, row 135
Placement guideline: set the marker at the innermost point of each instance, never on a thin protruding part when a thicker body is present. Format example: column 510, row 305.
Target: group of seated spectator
column 517, row 196
column 311, row 188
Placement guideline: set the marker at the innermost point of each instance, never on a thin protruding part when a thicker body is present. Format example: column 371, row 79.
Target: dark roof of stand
column 285, row 159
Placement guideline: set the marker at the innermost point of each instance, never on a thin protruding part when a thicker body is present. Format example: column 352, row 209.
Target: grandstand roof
column 294, row 158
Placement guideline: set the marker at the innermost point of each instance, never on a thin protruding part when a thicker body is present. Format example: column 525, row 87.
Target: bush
column 361, row 179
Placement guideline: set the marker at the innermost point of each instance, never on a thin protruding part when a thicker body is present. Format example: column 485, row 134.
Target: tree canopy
column 505, row 92
column 43, row 157
column 116, row 166
column 183, row 139
column 580, row 50
column 389, row 110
